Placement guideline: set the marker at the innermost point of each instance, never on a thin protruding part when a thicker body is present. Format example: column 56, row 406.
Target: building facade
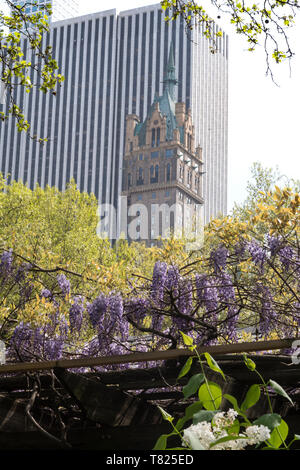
column 114, row 65
column 162, row 168
column 61, row 9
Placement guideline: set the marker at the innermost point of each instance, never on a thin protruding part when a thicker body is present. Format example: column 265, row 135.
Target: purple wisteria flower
column 158, row 281
column 257, row 253
column 207, row 292
column 267, row 314
column 97, row 309
column 53, row 348
column 218, row 257
column 46, row 293
column 274, row 244
column 117, row 317
column 21, row 336
column 185, row 297
column 6, row 263
column 64, row 284
column 76, row 313
column 137, row 308
column 172, row 279
column 286, row 256
column 226, row 290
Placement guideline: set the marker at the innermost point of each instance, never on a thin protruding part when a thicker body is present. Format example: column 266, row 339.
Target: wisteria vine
column 213, row 300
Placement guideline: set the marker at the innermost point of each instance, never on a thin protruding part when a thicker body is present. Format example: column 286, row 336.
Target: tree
column 16, row 29
column 268, row 22
column 263, row 180
column 245, row 282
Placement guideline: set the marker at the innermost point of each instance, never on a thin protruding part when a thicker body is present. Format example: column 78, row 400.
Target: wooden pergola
column 75, row 404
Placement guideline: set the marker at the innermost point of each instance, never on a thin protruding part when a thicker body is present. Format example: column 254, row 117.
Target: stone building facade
column 162, row 168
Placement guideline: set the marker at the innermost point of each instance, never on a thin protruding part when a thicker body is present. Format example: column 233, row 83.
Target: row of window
column 155, row 154
column 187, row 199
column 154, row 175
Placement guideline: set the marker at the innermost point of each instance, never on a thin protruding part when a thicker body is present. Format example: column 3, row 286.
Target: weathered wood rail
column 147, row 356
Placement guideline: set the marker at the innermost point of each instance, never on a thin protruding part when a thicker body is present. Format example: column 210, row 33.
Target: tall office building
column 114, row 64
column 61, row 9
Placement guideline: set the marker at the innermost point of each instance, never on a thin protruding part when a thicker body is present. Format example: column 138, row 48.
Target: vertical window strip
column 72, row 78
column 65, row 116
column 93, row 117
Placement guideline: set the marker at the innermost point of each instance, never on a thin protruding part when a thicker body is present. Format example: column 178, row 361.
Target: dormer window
column 158, row 137
column 155, row 137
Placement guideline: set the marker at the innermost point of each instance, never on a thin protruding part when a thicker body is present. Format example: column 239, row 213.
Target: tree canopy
column 265, row 23
column 65, row 292
column 25, row 59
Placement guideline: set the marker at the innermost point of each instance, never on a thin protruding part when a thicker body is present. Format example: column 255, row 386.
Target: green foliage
column 16, row 70
column 228, row 431
column 263, row 23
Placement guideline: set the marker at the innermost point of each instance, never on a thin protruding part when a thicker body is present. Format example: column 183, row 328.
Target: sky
column 264, row 123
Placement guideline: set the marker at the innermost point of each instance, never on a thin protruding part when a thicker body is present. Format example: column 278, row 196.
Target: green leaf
column 271, row 420
column 226, row 439
column 189, row 413
column 279, row 434
column 213, row 364
column 192, row 409
column 188, row 341
column 251, row 398
column 278, row 389
column 235, row 428
column 204, row 415
column 161, row 442
column 233, row 401
column 186, row 368
column 192, row 386
column 166, row 415
column 210, row 395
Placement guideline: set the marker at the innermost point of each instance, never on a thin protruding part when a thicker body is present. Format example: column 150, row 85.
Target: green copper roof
column 166, row 105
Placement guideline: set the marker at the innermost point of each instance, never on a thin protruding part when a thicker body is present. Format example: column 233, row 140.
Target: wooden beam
column 147, row 356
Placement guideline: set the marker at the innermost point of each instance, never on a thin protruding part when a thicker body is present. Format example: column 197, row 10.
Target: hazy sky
column 264, row 123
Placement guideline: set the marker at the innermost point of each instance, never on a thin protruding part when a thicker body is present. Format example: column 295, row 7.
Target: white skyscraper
column 114, row 64
column 61, row 9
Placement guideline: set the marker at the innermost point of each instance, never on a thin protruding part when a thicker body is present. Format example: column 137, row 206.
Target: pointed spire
column 170, row 80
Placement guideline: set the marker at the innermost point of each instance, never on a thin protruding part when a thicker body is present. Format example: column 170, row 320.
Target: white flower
column 223, row 420
column 201, row 433
column 257, row 434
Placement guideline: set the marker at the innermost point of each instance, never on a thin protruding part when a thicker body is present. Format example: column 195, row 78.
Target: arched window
column 154, row 174
column 168, row 172
column 140, row 176
column 158, row 137
column 153, row 138
column 129, row 180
